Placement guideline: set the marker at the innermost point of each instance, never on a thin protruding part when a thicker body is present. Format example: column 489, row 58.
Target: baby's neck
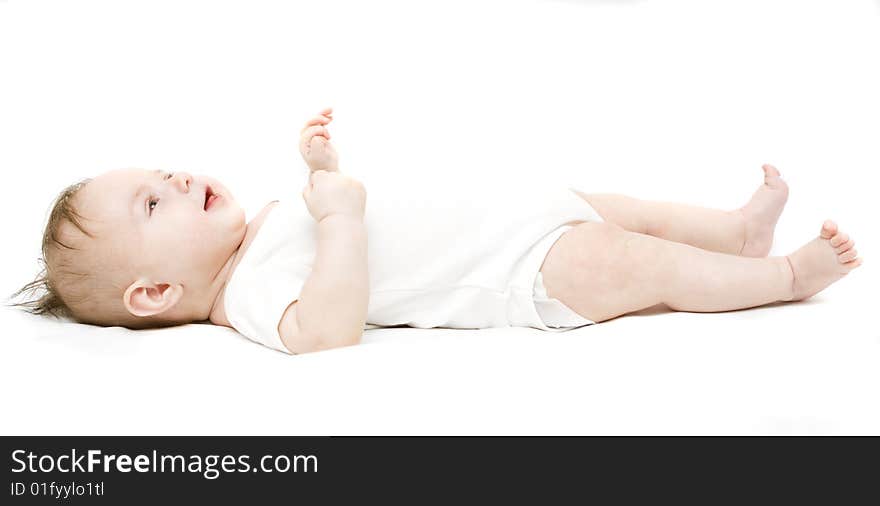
column 217, row 314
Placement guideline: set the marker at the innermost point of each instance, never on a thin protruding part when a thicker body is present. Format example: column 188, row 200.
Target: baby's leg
column 746, row 231
column 602, row 271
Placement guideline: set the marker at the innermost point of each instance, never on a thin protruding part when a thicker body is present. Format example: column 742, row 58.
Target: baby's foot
column 762, row 212
column 822, row 261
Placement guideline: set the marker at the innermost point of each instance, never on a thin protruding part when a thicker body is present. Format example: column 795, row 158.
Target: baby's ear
column 145, row 298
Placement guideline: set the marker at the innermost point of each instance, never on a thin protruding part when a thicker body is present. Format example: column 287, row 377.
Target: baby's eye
column 150, row 204
column 169, row 175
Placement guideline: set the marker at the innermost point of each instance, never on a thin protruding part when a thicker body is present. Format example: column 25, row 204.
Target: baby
column 141, row 249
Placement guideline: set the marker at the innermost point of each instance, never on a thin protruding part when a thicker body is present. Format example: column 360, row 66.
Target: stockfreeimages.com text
column 210, row 466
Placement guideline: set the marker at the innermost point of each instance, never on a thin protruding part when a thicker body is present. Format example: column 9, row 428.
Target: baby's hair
column 51, row 302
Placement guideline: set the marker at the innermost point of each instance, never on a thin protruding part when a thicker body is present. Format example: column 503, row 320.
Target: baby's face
column 154, row 224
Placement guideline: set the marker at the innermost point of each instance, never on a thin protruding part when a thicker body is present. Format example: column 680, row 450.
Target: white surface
column 670, row 100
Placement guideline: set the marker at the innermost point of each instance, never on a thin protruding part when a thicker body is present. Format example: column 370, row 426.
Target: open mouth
column 210, row 197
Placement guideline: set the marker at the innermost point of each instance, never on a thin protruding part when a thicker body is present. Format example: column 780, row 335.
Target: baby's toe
column 848, row 256
column 855, row 263
column 839, row 239
column 845, row 246
column 829, row 228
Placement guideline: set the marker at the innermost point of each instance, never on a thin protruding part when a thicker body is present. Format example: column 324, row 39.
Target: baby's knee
column 602, row 252
column 602, row 271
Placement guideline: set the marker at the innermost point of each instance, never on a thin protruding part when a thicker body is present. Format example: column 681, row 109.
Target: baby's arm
column 332, row 307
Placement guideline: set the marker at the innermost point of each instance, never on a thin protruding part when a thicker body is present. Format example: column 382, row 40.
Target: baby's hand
column 314, row 143
column 329, row 193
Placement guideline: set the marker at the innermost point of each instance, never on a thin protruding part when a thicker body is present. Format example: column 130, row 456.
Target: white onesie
column 461, row 259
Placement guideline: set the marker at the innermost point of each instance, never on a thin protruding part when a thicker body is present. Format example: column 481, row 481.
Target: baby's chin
column 238, row 229
column 240, row 221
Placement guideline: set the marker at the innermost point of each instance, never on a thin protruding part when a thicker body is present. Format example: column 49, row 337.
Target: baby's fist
column 329, row 193
column 314, row 143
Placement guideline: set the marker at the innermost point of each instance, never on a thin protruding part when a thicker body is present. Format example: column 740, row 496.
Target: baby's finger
column 314, row 130
column 320, row 120
column 312, row 122
column 317, row 120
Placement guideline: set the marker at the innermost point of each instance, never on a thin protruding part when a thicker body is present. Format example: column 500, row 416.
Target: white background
column 661, row 99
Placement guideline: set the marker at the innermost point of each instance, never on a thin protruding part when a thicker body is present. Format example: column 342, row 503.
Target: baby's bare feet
column 822, row 261
column 762, row 212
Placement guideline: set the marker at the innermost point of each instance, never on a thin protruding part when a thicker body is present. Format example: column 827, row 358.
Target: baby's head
column 137, row 248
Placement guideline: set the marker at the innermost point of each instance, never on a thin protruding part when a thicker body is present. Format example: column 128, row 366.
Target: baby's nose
column 182, row 179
